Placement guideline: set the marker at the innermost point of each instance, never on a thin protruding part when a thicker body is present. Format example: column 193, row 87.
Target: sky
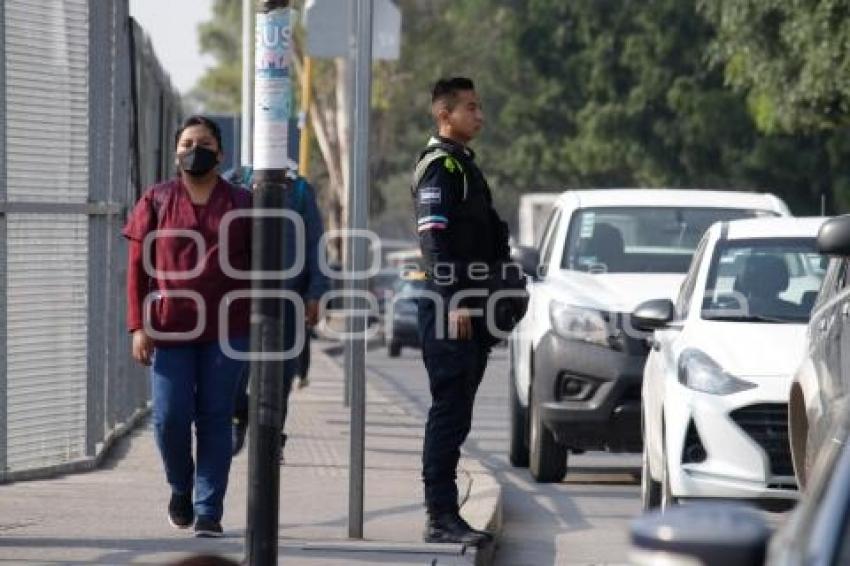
column 173, row 28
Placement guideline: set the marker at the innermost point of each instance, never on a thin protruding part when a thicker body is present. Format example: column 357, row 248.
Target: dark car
column 401, row 316
column 382, row 286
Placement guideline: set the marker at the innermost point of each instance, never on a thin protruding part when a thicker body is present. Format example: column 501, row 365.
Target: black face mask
column 198, row 161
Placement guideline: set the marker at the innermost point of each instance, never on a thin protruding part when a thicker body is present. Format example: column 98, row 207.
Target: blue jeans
column 196, row 383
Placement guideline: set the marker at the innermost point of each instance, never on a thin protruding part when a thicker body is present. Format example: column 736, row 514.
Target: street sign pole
column 361, row 31
column 358, row 203
column 272, row 110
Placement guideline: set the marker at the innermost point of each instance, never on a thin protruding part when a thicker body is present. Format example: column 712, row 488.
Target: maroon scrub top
column 169, row 206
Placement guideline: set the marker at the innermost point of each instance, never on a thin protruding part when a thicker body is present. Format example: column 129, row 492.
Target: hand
column 460, row 324
column 311, row 313
column 142, row 347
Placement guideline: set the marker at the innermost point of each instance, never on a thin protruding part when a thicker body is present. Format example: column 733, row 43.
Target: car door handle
column 845, row 310
column 822, row 324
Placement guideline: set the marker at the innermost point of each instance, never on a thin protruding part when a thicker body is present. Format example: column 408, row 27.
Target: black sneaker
column 240, row 428
column 181, row 514
column 207, row 528
column 484, row 535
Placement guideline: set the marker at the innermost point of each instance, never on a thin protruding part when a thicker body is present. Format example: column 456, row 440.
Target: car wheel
column 547, row 459
column 394, row 349
column 518, row 447
column 667, row 498
column 650, row 490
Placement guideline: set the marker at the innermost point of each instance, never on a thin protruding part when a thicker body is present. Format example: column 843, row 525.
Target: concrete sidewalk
column 117, row 514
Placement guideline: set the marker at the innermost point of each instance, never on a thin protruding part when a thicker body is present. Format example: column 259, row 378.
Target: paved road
column 583, row 520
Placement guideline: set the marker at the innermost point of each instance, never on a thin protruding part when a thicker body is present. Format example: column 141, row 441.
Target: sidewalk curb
column 482, row 508
column 481, row 504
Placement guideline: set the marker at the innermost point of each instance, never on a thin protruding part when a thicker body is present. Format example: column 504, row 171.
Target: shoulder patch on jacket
column 451, row 164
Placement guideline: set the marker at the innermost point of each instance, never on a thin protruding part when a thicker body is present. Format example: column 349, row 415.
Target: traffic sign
column 328, row 25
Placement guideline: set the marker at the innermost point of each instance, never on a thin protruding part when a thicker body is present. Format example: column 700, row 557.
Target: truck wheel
column 547, row 459
column 394, row 349
column 518, row 448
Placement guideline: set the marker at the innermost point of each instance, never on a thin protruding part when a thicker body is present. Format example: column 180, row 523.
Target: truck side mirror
column 528, row 258
column 712, row 534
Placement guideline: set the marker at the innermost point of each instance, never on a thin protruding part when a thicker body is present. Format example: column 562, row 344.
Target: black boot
column 449, row 526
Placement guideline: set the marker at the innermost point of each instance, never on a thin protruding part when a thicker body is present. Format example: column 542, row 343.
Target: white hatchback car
column 576, row 372
column 715, row 387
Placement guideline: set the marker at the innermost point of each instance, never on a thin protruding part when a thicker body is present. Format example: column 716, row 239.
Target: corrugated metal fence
column 82, row 134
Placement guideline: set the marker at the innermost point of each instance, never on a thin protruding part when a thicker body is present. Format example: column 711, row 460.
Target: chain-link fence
column 86, row 121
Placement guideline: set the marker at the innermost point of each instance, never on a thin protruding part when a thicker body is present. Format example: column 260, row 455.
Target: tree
column 220, row 88
column 586, row 93
column 792, row 58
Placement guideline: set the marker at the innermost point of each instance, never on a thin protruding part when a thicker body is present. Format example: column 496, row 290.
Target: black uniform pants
column 455, row 369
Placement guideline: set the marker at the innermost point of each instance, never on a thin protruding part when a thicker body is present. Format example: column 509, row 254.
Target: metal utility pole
column 349, row 284
column 272, row 109
column 358, row 206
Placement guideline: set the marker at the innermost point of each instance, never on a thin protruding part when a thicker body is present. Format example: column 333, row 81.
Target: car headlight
column 578, row 323
column 699, row 372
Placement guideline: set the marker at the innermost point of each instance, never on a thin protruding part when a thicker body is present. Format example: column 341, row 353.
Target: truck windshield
column 641, row 239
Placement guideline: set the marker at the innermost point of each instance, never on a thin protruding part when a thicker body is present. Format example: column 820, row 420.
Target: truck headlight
column 578, row 323
column 699, row 372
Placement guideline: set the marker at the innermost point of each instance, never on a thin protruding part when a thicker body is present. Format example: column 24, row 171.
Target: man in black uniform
column 462, row 238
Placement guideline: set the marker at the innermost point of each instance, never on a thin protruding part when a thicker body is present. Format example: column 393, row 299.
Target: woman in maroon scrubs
column 175, row 285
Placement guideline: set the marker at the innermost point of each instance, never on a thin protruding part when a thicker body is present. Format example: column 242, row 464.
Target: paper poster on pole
column 272, row 89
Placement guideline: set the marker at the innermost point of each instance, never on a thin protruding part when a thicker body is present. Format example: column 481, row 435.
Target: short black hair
column 446, row 90
column 198, row 120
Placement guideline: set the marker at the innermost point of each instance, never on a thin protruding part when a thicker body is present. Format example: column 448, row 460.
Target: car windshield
column 772, row 280
column 641, row 239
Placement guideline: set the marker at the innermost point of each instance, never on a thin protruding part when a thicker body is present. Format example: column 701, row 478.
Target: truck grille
column 767, row 424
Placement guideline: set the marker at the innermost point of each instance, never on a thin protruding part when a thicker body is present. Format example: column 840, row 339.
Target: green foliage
column 599, row 93
column 220, row 88
column 605, row 93
column 790, row 56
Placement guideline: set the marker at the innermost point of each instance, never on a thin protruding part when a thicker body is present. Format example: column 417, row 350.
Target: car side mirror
column 713, row 534
column 834, row 236
column 528, row 258
column 653, row 315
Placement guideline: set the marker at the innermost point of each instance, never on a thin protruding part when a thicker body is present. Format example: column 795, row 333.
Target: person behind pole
column 311, row 283
column 459, row 232
column 193, row 379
